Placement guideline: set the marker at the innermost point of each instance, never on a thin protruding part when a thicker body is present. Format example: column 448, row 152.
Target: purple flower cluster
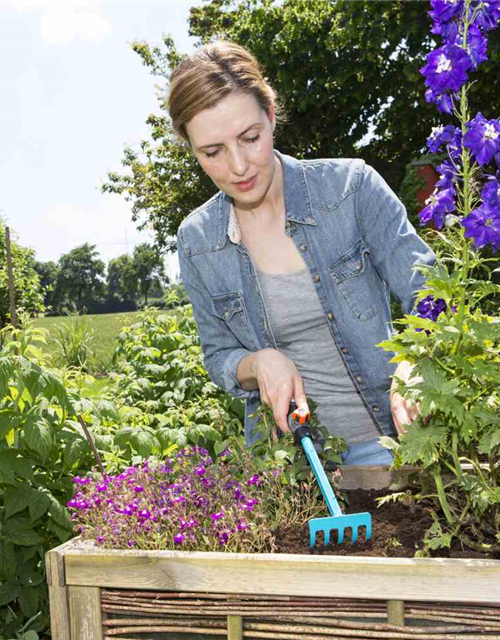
column 463, row 26
column 447, row 67
column 187, row 502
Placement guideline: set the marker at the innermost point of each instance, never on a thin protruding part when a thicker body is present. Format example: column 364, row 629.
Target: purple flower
column 144, row 514
column 249, row 504
column 200, row 471
column 430, row 308
column 253, row 480
column 477, row 45
column 242, row 525
column 138, row 488
column 439, row 204
column 439, row 136
column 179, row 538
column 488, row 13
column 447, row 175
column 446, row 68
column 483, row 138
column 491, row 192
column 443, row 101
column 223, row 537
column 483, row 224
column 443, row 10
column 217, row 516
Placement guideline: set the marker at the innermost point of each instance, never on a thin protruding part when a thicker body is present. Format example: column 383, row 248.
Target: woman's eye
column 213, row 154
column 254, row 139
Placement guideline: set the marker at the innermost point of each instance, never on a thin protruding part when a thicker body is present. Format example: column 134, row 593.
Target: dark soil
column 397, row 532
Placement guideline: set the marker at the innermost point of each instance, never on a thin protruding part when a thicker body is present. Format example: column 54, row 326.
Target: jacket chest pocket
column 230, row 308
column 358, row 281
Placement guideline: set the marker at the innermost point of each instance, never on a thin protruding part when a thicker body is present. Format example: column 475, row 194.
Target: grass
column 106, row 328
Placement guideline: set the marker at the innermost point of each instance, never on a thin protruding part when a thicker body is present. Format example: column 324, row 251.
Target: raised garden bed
column 98, row 593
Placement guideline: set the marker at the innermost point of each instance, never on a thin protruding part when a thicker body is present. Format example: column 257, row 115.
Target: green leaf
column 9, row 591
column 28, row 600
column 19, row 531
column 8, row 561
column 59, row 514
column 38, row 437
column 20, row 497
column 107, row 409
column 9, row 420
column 423, row 444
column 29, row 577
column 30, row 635
column 61, row 532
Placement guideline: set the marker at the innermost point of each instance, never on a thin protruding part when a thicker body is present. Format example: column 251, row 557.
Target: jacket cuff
column 230, row 381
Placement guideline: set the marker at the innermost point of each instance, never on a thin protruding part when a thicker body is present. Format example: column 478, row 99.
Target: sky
column 72, row 95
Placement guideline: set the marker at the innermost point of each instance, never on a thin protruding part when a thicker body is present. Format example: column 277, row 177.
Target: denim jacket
column 358, row 244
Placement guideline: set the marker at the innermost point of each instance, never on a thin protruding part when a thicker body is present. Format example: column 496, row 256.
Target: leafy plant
column 74, row 341
column 453, row 343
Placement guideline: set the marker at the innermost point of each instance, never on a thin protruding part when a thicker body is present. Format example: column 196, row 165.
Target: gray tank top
column 301, row 332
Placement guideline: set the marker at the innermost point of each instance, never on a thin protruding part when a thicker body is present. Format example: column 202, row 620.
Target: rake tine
column 354, row 534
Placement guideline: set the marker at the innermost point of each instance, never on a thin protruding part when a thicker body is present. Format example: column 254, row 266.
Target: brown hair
column 217, row 69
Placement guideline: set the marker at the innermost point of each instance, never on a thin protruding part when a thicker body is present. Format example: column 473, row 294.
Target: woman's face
column 233, row 143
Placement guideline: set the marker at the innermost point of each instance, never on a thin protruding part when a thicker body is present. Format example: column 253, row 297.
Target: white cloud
column 64, row 21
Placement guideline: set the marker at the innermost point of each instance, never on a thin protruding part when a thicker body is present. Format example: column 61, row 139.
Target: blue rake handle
column 298, row 421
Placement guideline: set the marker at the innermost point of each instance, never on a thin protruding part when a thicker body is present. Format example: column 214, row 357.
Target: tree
column 28, row 292
column 149, row 268
column 122, row 279
column 342, row 69
column 47, row 272
column 80, row 281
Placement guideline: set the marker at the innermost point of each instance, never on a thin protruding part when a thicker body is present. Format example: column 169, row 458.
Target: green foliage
column 28, row 293
column 80, row 279
column 456, row 382
column 347, row 79
column 75, row 341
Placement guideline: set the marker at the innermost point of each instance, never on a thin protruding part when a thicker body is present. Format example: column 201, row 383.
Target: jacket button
column 376, row 408
column 359, row 379
column 303, row 248
column 330, row 315
column 358, row 267
column 317, row 278
column 226, row 314
column 345, row 350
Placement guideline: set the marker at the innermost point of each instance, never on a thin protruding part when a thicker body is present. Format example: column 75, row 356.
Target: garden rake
column 298, row 422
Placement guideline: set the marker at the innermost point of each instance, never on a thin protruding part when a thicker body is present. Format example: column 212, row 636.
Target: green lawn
column 106, row 327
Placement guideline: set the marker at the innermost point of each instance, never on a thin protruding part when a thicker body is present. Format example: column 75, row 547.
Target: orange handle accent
column 301, row 415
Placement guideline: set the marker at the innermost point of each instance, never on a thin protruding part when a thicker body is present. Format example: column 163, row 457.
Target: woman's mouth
column 246, row 186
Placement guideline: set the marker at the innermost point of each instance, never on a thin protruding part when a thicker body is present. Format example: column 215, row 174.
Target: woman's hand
column 279, row 381
column 403, row 411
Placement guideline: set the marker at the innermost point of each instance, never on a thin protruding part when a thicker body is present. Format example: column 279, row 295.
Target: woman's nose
column 237, row 162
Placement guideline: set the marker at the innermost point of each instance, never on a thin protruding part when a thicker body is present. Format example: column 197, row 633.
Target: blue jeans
column 367, row 453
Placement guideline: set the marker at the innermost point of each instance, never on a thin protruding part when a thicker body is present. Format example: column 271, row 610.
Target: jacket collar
column 297, row 201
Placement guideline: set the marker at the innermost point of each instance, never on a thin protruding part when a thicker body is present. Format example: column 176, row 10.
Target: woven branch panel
column 144, row 615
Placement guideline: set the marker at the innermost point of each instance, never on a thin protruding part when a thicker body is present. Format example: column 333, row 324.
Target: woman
column 289, row 266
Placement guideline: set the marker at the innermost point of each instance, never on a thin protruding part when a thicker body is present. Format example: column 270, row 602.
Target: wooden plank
column 85, row 613
column 436, row 579
column 58, row 596
column 234, row 628
column 396, row 612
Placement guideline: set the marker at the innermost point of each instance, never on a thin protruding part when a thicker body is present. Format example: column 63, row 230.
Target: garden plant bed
column 349, row 590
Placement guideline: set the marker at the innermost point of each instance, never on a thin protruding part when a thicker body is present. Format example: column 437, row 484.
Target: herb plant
column 453, row 341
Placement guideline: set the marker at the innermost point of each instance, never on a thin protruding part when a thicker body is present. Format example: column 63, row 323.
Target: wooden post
column 85, row 613
column 234, row 628
column 58, row 596
column 396, row 612
column 10, row 279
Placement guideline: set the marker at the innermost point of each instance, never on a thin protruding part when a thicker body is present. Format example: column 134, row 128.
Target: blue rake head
column 340, row 524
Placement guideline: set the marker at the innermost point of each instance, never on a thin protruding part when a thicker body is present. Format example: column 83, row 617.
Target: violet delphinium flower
column 483, row 138
column 483, row 224
column 443, row 101
column 446, row 69
column 430, row 308
column 446, row 10
column 440, row 136
column 491, row 192
column 487, row 13
column 446, row 175
column 439, row 204
column 477, row 46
